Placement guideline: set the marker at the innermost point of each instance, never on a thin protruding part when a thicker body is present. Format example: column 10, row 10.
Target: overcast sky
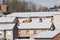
column 48, row 3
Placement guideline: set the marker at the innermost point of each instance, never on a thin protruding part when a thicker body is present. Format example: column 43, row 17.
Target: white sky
column 48, row 3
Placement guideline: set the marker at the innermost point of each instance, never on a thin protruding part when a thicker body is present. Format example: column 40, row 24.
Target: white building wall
column 1, row 35
column 9, row 35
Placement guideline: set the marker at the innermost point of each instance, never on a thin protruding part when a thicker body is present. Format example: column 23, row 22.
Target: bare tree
column 17, row 6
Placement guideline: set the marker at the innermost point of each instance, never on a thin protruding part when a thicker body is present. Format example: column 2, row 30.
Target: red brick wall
column 57, row 37
column 3, row 8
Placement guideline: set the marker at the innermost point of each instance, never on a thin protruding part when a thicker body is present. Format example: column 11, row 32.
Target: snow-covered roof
column 35, row 20
column 7, row 19
column 7, row 26
column 46, row 19
column 32, row 14
column 21, row 20
column 24, row 39
column 35, row 25
column 47, row 34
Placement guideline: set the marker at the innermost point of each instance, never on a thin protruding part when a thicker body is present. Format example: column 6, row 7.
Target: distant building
column 3, row 5
column 48, row 35
column 4, row 8
column 8, row 32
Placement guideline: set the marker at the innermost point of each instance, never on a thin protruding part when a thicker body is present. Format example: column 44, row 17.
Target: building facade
column 30, row 30
column 8, row 32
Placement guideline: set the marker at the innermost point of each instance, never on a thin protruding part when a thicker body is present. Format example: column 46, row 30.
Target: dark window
column 27, row 32
column 40, row 20
column 24, row 37
column 27, row 21
column 34, row 32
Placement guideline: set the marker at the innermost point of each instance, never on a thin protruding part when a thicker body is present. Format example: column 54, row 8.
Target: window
column 51, row 19
column 27, row 21
column 29, row 32
column 8, row 33
column 0, row 33
column 40, row 20
column 34, row 31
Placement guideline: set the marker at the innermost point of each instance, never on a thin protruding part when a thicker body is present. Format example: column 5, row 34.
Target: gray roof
column 6, row 26
column 7, row 19
column 35, row 25
column 47, row 34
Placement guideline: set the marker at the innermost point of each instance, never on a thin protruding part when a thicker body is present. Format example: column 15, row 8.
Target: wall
column 31, row 33
column 1, row 35
column 56, row 21
column 57, row 37
column 4, row 8
column 9, row 35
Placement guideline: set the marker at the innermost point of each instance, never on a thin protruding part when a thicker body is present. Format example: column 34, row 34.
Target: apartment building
column 48, row 35
column 30, row 30
column 8, row 32
column 33, row 23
